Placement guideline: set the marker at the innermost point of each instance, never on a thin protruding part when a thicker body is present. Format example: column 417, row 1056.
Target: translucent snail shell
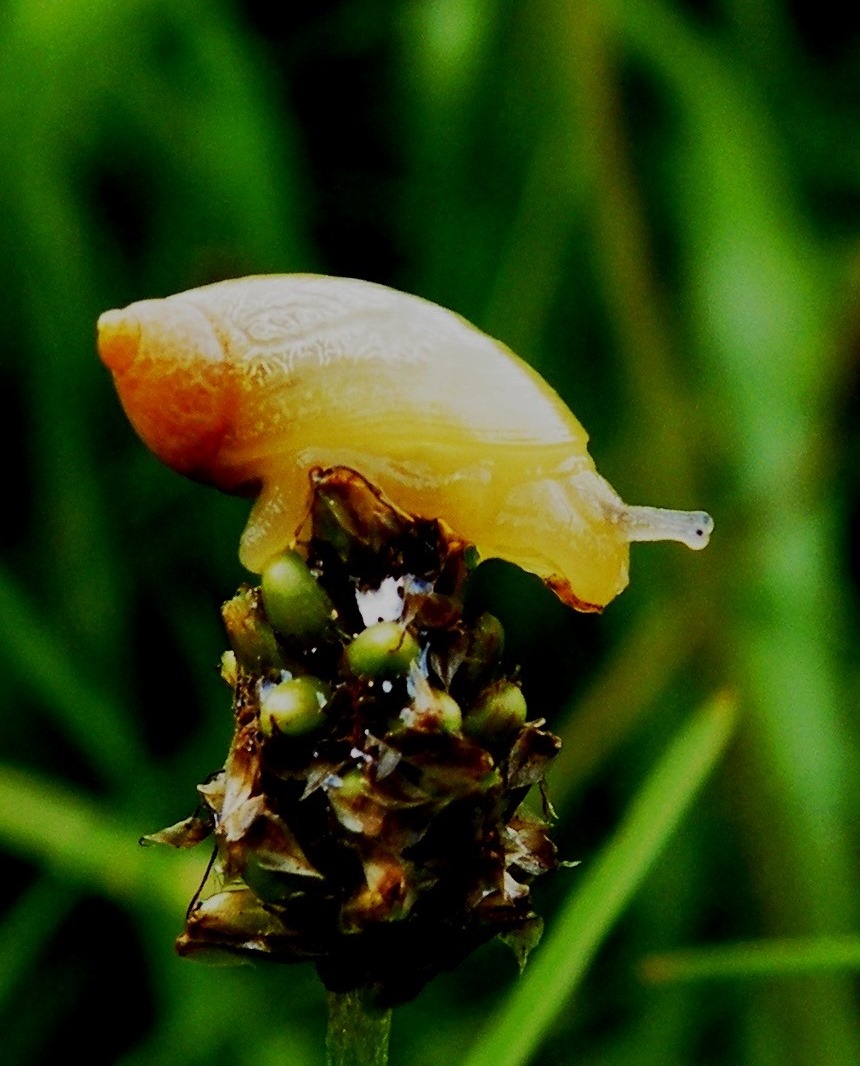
column 249, row 384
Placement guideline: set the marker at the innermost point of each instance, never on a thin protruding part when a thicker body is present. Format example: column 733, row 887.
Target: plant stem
column 357, row 1033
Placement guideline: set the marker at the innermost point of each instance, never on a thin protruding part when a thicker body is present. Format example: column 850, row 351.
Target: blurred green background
column 657, row 204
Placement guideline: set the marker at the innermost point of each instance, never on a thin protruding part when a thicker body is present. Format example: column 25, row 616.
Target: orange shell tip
column 119, row 339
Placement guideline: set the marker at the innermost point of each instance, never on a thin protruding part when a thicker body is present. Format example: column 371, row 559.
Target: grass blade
column 515, row 1032
column 758, row 958
column 69, row 836
column 31, row 652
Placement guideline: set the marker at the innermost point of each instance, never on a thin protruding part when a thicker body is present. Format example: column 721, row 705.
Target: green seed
column 293, row 707
column 486, row 643
column 499, row 711
column 488, row 638
column 295, row 603
column 448, row 712
column 353, row 785
column 432, row 709
column 384, row 649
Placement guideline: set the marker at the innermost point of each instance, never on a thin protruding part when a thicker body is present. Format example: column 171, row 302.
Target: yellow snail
column 250, row 384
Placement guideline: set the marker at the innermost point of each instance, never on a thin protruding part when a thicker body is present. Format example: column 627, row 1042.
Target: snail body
column 250, row 384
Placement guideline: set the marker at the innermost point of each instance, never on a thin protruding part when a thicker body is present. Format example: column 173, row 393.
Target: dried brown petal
column 185, row 834
column 532, row 752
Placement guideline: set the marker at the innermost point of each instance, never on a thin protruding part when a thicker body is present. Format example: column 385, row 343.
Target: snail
column 252, row 383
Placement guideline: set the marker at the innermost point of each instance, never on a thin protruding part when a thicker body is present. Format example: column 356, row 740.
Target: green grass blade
column 68, row 835
column 27, row 928
column 656, row 648
column 31, row 652
column 764, row 958
column 515, row 1032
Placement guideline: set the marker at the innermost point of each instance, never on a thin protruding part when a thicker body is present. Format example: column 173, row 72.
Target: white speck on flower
column 384, row 604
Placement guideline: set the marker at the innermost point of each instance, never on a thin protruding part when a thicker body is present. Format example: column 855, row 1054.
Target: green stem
column 357, row 1033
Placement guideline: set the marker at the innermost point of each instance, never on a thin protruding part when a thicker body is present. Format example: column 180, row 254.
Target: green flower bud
column 353, row 785
column 293, row 707
column 499, row 711
column 488, row 638
column 448, row 711
column 432, row 709
column 486, row 642
column 384, row 649
column 295, row 603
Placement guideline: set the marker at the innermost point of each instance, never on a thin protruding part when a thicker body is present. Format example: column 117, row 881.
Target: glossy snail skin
column 250, row 384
